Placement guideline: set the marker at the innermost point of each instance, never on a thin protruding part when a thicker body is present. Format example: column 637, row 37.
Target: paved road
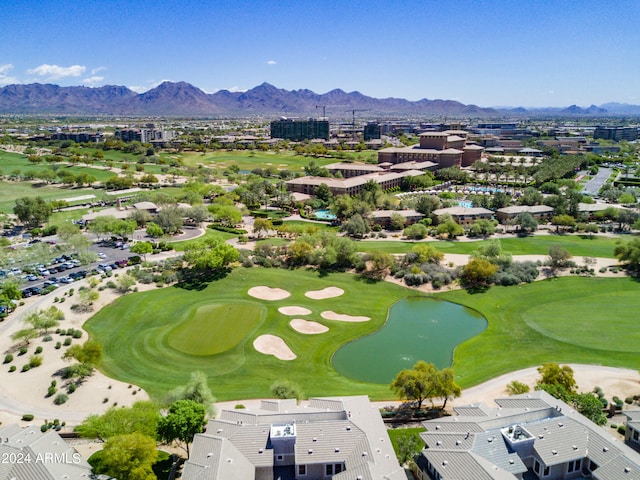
column 594, row 185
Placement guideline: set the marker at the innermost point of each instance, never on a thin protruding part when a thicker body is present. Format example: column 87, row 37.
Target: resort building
column 446, row 149
column 465, row 215
column 541, row 213
column 335, row 437
column 632, row 432
column 383, row 217
column 528, row 436
column 348, row 186
column 28, row 453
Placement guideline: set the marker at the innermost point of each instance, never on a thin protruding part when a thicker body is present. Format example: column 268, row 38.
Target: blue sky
column 485, row 52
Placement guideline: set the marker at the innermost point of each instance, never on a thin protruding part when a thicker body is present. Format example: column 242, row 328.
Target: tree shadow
column 191, row 279
column 475, row 289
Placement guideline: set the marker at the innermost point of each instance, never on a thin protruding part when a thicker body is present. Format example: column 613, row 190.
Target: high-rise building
column 371, row 131
column 298, row 130
column 616, row 133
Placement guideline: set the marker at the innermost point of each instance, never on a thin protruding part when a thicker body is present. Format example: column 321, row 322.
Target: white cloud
column 92, row 81
column 97, row 70
column 272, row 62
column 231, row 89
column 4, row 78
column 55, row 72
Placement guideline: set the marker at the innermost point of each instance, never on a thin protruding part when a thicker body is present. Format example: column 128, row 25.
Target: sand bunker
column 307, row 327
column 267, row 293
column 328, row 292
column 272, row 345
column 294, row 311
column 329, row 315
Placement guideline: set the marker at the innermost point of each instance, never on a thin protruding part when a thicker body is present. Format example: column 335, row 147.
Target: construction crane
column 353, row 119
column 324, row 108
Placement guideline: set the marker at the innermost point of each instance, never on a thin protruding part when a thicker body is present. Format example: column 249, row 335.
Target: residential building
column 632, row 431
column 298, row 130
column 334, row 437
column 348, row 170
column 465, row 215
column 528, row 436
column 28, row 453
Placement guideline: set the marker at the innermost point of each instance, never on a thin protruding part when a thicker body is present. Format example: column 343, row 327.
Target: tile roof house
column 529, row 436
column 334, row 437
column 29, row 454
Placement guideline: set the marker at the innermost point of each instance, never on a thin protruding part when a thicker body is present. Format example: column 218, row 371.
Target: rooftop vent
column 437, row 427
column 337, row 450
column 314, row 439
column 560, row 424
column 219, row 430
column 457, row 442
column 310, row 451
column 210, row 454
column 575, row 447
column 348, row 428
column 364, row 454
column 444, row 462
column 554, row 452
column 627, row 469
column 261, row 450
column 512, row 461
column 605, row 449
column 438, row 442
column 541, row 436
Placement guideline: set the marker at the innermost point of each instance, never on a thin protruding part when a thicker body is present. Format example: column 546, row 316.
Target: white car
column 102, row 255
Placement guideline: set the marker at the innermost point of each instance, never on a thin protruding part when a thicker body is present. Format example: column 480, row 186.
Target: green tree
column 154, row 230
column 450, row 228
column 67, row 230
column 184, row 420
column 482, row 227
column 128, row 457
column 516, row 388
column 629, row 253
column 397, row 221
column 170, row 219
column 425, row 381
column 558, row 256
column 477, row 273
column 261, row 225
column 526, row 222
column 417, row 231
column 141, row 417
column 590, row 406
column 378, row 264
column 124, row 283
column 89, row 354
column 142, row 248
column 25, row 335
column 196, row 389
column 228, row 215
column 43, row 320
column 553, row 374
column 323, row 193
column 427, row 253
column 210, row 255
column 563, row 220
column 285, row 389
column 409, row 447
column 32, row 211
column 356, row 226
column 427, row 204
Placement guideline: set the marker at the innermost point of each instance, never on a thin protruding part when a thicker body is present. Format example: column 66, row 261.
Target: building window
column 574, row 465
column 545, row 472
column 337, row 468
column 636, row 435
column 328, row 469
column 279, row 457
column 302, row 469
column 536, row 466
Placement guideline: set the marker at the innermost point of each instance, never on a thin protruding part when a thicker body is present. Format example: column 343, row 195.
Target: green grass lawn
column 247, row 160
column 577, row 245
column 212, row 329
column 563, row 320
column 10, row 191
column 135, row 331
column 395, row 434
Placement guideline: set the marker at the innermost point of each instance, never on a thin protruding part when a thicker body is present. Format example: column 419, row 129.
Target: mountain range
column 183, row 99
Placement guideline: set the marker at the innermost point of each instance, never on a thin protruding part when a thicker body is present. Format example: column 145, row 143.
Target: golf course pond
column 416, row 329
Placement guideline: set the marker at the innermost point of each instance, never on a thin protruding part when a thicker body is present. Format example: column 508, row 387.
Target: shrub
column 622, row 429
column 77, row 334
column 628, row 400
column 58, row 345
column 8, row 358
column 61, row 398
column 38, row 350
column 12, row 368
column 614, row 426
column 47, row 338
column 26, row 367
column 67, row 342
column 51, row 391
column 35, row 361
column 239, row 406
column 23, row 350
column 54, row 383
column 72, row 388
column 27, row 417
column 44, row 428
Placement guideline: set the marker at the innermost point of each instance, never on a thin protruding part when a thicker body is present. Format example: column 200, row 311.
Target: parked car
column 36, row 290
column 26, row 293
column 31, row 277
column 51, row 283
column 105, row 267
column 66, row 279
column 102, row 255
